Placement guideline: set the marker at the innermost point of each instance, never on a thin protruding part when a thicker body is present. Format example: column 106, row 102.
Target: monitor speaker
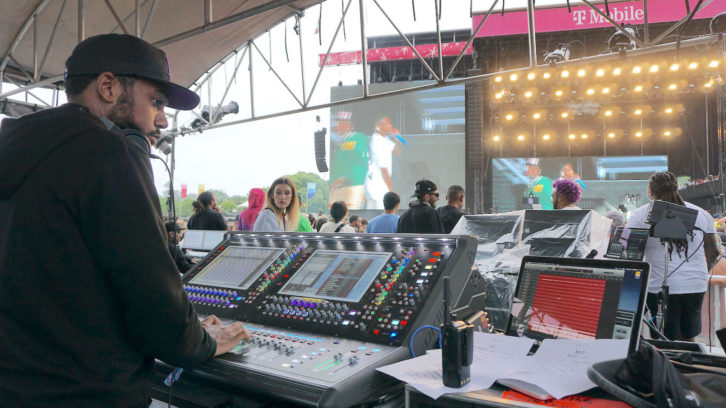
column 320, row 150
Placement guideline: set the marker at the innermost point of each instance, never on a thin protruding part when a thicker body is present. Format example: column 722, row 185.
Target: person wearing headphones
column 688, row 264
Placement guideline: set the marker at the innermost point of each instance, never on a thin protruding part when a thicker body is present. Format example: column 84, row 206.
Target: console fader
column 325, row 309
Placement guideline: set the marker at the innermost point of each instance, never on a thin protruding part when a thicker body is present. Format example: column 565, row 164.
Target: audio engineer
column 90, row 295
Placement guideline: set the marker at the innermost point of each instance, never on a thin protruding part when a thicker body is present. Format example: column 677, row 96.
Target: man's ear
column 108, row 87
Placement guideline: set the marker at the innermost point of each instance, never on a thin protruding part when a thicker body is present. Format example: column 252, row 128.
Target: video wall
column 605, row 182
column 388, row 144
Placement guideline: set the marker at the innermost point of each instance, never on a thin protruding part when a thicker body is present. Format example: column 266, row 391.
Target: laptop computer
column 575, row 298
column 627, row 243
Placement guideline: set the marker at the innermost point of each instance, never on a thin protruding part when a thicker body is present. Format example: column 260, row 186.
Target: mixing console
column 325, row 309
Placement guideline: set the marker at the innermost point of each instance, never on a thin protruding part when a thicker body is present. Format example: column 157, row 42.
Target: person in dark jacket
column 90, row 295
column 421, row 216
column 175, row 233
column 207, row 214
column 451, row 212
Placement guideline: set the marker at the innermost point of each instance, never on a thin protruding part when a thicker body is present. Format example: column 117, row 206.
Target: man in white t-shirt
column 380, row 169
column 688, row 265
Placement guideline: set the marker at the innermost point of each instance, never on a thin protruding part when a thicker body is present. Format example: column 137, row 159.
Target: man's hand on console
column 227, row 337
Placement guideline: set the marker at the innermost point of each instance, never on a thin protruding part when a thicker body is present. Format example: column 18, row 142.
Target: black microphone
column 591, row 254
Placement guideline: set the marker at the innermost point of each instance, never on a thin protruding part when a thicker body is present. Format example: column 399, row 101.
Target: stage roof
column 192, row 42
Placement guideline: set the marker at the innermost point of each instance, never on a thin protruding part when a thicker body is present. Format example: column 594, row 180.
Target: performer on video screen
column 539, row 186
column 384, row 144
column 349, row 164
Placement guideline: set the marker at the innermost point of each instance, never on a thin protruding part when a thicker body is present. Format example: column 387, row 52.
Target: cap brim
column 179, row 97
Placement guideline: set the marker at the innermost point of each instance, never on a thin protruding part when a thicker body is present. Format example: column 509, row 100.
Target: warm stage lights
column 617, row 71
column 638, row 112
column 653, row 69
column 546, row 75
column 509, row 116
column 520, row 138
column 667, row 133
column 636, row 69
column 608, row 113
column 584, row 136
column 559, row 92
column 499, row 95
column 530, row 76
column 498, row 79
column 581, row 73
column 528, row 94
column 590, row 91
column 638, row 134
column 638, row 88
column 546, row 136
column 675, row 67
column 600, row 72
column 693, row 65
column 606, row 91
column 611, row 135
column 572, row 136
column 672, row 87
column 713, row 64
column 496, row 138
column 513, row 77
column 669, row 110
column 564, row 115
column 565, row 74
column 708, row 84
column 536, row 115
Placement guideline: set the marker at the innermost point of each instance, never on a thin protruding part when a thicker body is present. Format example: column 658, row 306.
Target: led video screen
column 390, row 143
column 605, row 182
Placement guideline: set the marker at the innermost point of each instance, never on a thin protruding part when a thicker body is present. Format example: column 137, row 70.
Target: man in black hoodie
column 90, row 294
column 421, row 217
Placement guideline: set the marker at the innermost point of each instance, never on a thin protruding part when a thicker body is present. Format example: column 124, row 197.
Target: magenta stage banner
column 584, row 18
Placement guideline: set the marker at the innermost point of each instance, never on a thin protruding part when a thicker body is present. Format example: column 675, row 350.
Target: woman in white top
column 688, row 263
column 281, row 212
column 338, row 211
column 565, row 194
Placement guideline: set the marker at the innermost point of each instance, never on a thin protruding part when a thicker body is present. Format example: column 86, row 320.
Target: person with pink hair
column 565, row 194
column 256, row 200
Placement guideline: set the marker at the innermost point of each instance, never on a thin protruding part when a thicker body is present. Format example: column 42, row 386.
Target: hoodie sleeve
column 121, row 223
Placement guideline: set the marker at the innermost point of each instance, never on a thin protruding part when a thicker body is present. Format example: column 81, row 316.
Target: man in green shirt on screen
column 540, row 186
column 349, row 163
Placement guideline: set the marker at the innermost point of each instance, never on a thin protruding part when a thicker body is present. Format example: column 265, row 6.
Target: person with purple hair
column 565, row 194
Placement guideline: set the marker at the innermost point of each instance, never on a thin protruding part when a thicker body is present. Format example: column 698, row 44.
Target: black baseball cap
column 424, row 187
column 171, row 226
column 123, row 54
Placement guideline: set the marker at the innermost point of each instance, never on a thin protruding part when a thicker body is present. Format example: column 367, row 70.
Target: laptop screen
column 577, row 298
column 627, row 243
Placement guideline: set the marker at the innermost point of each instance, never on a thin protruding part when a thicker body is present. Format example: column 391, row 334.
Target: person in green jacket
column 349, row 162
column 539, row 186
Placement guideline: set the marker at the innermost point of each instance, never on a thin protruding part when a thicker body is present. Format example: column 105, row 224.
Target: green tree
column 318, row 202
column 228, row 207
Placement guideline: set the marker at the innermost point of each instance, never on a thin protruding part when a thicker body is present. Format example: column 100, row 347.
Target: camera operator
column 688, row 263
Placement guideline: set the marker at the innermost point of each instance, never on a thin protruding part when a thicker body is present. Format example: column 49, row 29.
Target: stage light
column 581, row 73
column 672, row 87
column 546, row 136
column 572, row 136
column 708, row 84
column 559, row 92
column 675, row 67
column 530, row 76
column 590, row 91
column 638, row 111
column 520, row 138
column 496, row 138
column 509, row 116
column 636, row 69
column 606, row 91
column 693, row 65
column 638, row 88
column 565, row 74
column 654, row 69
column 528, row 94
column 584, row 136
column 713, row 64
column 611, row 135
column 499, row 95
column 669, row 110
column 608, row 113
column 536, row 115
column 498, row 79
column 546, row 75
column 564, row 115
column 639, row 134
column 513, row 77
column 617, row 71
column 600, row 72
column 667, row 133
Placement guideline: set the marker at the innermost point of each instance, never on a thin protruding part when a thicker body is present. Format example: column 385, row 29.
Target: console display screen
column 237, row 267
column 336, row 275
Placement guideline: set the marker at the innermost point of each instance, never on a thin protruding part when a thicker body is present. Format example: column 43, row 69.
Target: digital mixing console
column 325, row 310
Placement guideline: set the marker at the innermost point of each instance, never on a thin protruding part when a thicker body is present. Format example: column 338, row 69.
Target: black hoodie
column 420, row 218
column 89, row 293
